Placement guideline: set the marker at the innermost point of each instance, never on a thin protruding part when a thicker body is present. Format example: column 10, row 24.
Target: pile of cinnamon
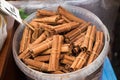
column 59, row 42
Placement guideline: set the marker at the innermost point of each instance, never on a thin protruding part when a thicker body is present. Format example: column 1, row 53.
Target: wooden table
column 8, row 68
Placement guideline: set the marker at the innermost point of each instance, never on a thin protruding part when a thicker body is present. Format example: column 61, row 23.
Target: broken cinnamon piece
column 85, row 43
column 68, row 15
column 50, row 19
column 42, row 12
column 65, row 27
column 92, row 39
column 39, row 65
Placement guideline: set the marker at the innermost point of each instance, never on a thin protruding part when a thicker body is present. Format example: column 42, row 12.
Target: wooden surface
column 8, row 68
column 4, row 53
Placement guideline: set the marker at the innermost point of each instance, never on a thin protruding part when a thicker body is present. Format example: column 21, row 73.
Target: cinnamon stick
column 40, row 48
column 101, row 36
column 65, row 48
column 23, row 54
column 76, row 32
column 53, row 55
column 94, row 54
column 29, row 37
column 66, row 61
column 40, row 65
column 45, row 13
column 42, row 58
column 73, row 66
column 85, row 43
column 71, row 58
column 60, row 42
column 65, row 27
column 23, row 42
column 82, row 61
column 45, row 57
column 68, row 15
column 92, row 38
column 50, row 19
column 79, row 41
column 76, row 39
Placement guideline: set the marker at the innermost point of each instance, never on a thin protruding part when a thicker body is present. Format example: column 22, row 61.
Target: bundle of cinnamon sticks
column 59, row 42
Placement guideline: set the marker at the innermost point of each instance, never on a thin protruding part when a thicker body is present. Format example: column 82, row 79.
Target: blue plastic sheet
column 108, row 72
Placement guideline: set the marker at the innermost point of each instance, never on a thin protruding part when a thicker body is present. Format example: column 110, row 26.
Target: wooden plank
column 4, row 53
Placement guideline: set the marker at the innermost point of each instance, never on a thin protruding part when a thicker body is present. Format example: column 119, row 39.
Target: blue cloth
column 108, row 72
